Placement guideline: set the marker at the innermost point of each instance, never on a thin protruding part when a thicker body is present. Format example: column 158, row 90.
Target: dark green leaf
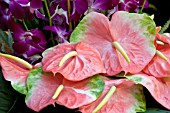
column 156, row 111
column 8, row 96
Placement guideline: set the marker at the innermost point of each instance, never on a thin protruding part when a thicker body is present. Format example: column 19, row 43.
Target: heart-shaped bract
column 159, row 88
column 133, row 33
column 42, row 88
column 127, row 98
column 158, row 66
column 85, row 61
column 15, row 72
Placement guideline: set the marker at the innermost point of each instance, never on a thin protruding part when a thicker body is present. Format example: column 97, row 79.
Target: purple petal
column 63, row 5
column 20, row 47
column 81, row 8
column 38, row 14
column 103, row 4
column 115, row 2
column 36, row 4
column 22, row 2
column 40, row 35
column 146, row 3
column 52, row 28
column 28, row 13
column 16, row 10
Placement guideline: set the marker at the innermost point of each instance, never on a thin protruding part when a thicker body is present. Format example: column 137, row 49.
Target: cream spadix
column 57, row 92
column 121, row 50
column 106, row 98
column 17, row 59
column 67, row 56
column 160, row 54
column 160, row 42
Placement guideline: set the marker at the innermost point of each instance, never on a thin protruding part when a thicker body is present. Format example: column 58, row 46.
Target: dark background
column 162, row 14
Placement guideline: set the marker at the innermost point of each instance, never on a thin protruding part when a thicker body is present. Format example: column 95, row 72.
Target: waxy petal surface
column 76, row 94
column 15, row 73
column 164, row 37
column 41, row 88
column 87, row 62
column 159, row 67
column 159, row 88
column 128, row 98
column 94, row 29
column 136, row 34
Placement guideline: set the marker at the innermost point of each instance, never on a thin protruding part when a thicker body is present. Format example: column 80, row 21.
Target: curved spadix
column 66, row 57
column 160, row 54
column 17, row 59
column 121, row 50
column 106, row 98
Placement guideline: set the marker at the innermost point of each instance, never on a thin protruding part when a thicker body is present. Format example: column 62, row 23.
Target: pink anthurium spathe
column 45, row 89
column 16, row 71
column 158, row 87
column 74, row 61
column 126, row 43
column 119, row 96
column 159, row 66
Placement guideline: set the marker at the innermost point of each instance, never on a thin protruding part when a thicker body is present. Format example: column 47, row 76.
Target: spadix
column 67, row 56
column 19, row 60
column 121, row 50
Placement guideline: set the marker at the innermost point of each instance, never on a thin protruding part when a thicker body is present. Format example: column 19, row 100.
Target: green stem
column 25, row 25
column 142, row 7
column 48, row 12
column 50, row 20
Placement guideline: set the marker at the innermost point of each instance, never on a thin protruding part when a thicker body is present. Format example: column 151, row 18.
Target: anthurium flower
column 16, row 71
column 32, row 42
column 158, row 87
column 165, row 37
column 76, row 94
column 159, row 66
column 125, row 97
column 74, row 61
column 45, row 89
column 125, row 43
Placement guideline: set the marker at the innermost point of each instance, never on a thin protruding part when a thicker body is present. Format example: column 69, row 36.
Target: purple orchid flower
column 5, row 15
column 62, row 34
column 58, row 15
column 15, row 7
column 28, row 44
column 95, row 5
column 18, row 11
column 132, row 5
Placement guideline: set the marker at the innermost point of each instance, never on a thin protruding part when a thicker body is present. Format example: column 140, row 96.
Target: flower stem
column 50, row 20
column 69, row 14
column 48, row 12
column 25, row 25
column 142, row 7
